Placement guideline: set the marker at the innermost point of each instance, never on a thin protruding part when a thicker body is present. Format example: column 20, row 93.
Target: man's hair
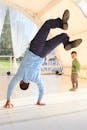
column 24, row 85
column 73, row 52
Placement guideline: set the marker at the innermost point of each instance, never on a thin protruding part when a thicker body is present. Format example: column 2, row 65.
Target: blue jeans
column 42, row 46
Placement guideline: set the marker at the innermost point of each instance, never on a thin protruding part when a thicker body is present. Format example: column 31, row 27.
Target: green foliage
column 6, row 40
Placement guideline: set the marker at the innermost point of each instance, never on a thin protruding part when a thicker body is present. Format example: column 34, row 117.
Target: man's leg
column 42, row 34
column 62, row 38
column 55, row 41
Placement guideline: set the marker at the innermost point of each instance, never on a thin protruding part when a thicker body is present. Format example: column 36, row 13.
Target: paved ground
column 64, row 110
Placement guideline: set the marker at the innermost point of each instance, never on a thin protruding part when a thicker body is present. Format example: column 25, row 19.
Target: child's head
column 73, row 54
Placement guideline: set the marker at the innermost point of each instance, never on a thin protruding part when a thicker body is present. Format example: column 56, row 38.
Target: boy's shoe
column 72, row 44
column 40, row 104
column 73, row 89
column 65, row 19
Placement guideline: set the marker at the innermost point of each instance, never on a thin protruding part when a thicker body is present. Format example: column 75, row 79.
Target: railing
column 7, row 64
column 10, row 64
column 51, row 66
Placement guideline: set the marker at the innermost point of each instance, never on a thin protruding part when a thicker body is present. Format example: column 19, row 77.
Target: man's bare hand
column 8, row 104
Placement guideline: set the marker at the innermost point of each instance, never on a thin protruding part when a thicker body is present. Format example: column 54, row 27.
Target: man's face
column 74, row 55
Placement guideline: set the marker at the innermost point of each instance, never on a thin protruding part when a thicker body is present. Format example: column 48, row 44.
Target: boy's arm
column 78, row 66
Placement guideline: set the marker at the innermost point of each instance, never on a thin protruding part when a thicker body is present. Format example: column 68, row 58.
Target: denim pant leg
column 54, row 42
column 43, row 32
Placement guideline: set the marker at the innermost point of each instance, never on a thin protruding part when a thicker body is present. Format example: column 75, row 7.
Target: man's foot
column 40, row 104
column 65, row 19
column 73, row 44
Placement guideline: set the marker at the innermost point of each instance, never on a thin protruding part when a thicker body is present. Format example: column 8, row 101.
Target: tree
column 6, row 40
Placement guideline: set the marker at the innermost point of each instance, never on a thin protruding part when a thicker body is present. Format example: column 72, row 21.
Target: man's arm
column 10, row 91
column 41, row 88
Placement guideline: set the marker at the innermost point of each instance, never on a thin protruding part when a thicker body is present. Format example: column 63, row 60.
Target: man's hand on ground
column 8, row 104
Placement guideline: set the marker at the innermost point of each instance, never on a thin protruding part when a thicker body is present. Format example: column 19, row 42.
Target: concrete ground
column 64, row 110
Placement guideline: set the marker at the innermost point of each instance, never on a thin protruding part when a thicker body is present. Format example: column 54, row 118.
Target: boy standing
column 75, row 71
